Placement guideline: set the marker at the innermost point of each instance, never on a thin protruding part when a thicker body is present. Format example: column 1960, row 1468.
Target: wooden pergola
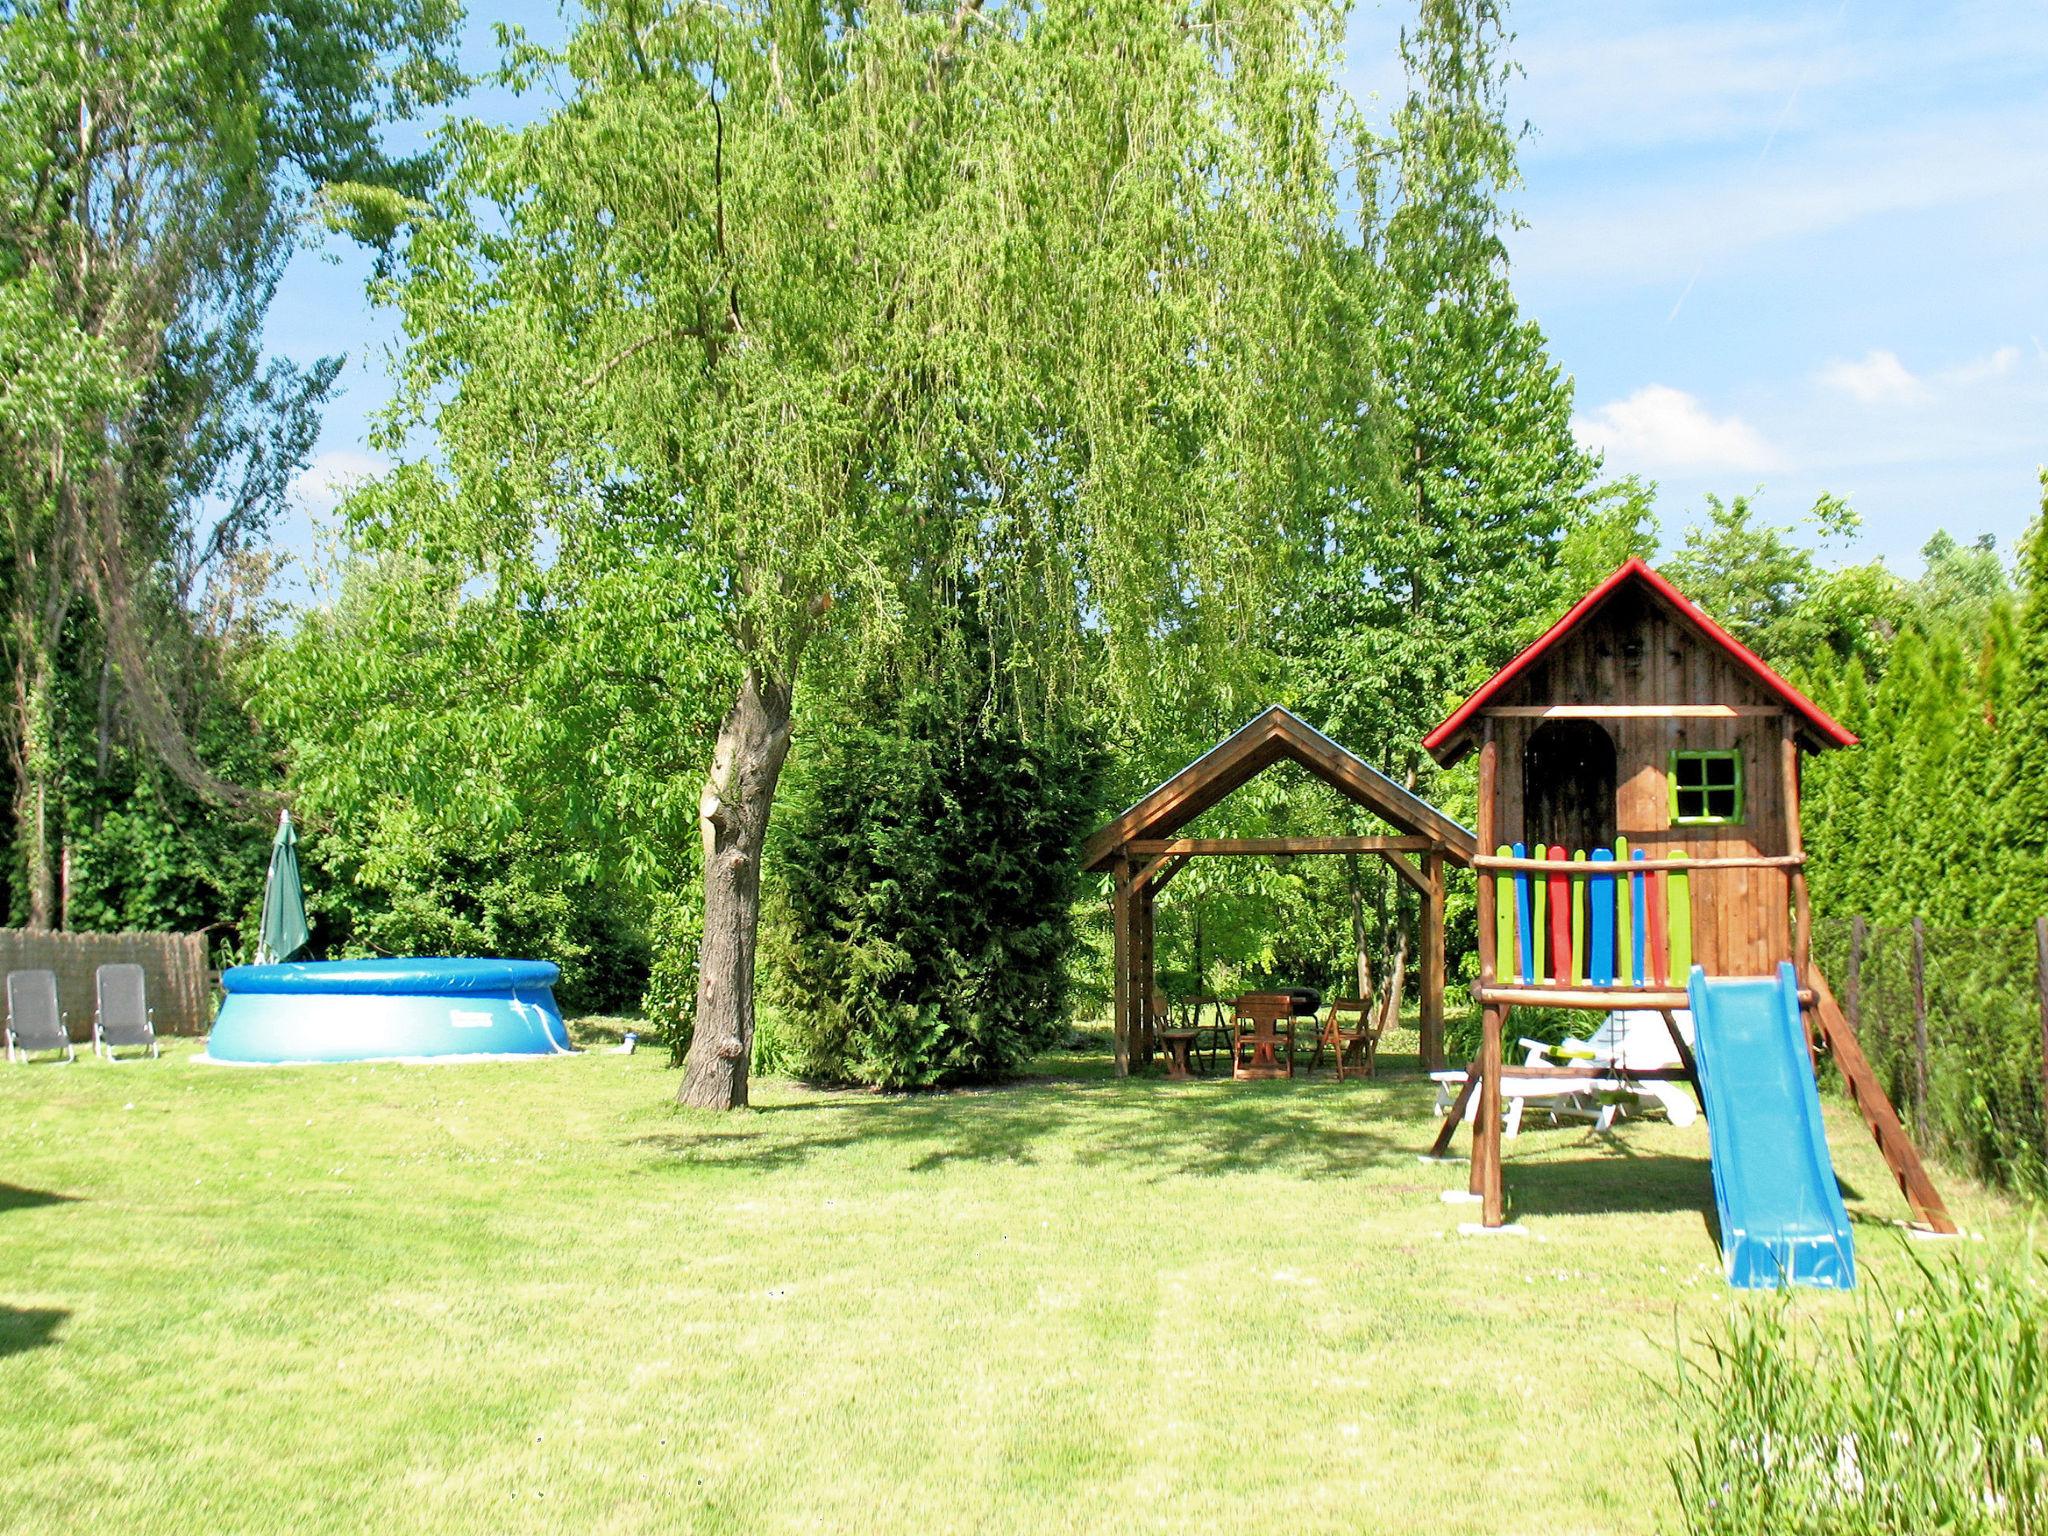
column 1139, row 848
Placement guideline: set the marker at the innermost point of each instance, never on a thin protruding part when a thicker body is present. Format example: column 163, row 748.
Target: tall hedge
column 921, row 912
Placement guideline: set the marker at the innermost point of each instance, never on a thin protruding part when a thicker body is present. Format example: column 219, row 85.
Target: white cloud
column 1995, row 364
column 1632, row 74
column 320, row 487
column 1660, row 225
column 1659, row 428
column 1877, row 378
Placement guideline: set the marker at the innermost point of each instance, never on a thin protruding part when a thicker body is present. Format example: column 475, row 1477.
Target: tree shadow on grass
column 1156, row 1129
column 14, row 1198
column 25, row 1328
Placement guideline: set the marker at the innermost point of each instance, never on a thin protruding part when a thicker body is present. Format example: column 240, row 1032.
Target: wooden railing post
column 1433, row 960
column 1853, row 982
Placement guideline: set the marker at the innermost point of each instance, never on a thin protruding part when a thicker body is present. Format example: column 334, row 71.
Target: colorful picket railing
column 1599, row 927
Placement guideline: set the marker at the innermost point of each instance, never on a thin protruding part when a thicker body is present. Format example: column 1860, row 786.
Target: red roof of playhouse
column 1446, row 742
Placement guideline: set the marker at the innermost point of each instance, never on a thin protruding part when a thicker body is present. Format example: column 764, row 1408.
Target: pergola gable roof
column 1451, row 739
column 1275, row 735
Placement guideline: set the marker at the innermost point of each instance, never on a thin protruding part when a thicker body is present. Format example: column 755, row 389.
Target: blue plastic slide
column 1782, row 1219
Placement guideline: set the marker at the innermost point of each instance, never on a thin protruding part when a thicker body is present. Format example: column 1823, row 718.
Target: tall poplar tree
column 159, row 162
column 845, row 311
column 1446, row 534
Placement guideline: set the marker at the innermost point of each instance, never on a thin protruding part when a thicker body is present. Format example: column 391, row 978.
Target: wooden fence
column 174, row 963
column 1955, row 1020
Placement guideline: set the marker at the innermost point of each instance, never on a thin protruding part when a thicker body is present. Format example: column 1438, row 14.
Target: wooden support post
column 1120, row 964
column 1486, row 1180
column 1489, row 778
column 1919, row 1030
column 1449, row 1128
column 1802, row 904
column 1486, row 1173
column 1433, row 965
column 1692, row 1069
column 1146, row 977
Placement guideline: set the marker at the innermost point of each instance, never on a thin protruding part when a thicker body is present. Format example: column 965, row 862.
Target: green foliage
column 1441, row 549
column 926, row 878
column 436, row 738
column 1774, row 595
column 832, row 313
column 156, row 165
column 676, row 930
column 1929, row 816
column 393, row 882
column 2016, row 681
column 1931, row 1418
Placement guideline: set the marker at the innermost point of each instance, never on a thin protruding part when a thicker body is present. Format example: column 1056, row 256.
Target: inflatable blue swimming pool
column 384, row 1010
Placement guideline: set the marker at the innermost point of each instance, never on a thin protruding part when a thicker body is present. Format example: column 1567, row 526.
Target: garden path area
column 535, row 1297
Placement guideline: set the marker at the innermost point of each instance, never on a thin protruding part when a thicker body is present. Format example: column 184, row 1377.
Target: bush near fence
column 1962, row 1057
column 174, row 965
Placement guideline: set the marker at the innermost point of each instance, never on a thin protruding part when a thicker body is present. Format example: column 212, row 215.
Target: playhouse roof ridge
column 1444, row 742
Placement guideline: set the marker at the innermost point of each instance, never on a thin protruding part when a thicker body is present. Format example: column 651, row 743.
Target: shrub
column 400, row 884
column 921, row 917
column 1929, row 1417
column 675, row 930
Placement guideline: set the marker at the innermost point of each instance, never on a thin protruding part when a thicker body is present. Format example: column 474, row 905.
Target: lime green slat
column 1578, row 889
column 1504, row 920
column 1680, row 899
column 1624, row 919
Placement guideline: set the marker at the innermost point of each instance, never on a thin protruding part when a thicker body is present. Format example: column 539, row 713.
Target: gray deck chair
column 123, row 1016
column 34, row 1021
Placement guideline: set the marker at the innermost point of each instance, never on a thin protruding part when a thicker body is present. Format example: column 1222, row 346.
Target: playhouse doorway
column 1568, row 788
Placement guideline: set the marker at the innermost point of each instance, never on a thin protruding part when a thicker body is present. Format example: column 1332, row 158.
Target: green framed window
column 1706, row 789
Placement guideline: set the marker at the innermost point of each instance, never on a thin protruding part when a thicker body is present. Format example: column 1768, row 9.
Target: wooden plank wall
column 1638, row 653
column 173, row 963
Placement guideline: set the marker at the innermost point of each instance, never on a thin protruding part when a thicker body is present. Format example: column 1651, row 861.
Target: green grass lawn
column 535, row 1296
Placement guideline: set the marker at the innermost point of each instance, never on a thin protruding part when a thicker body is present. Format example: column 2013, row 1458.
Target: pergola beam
column 1278, row 847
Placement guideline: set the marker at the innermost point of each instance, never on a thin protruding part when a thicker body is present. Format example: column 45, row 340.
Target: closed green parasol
column 284, row 931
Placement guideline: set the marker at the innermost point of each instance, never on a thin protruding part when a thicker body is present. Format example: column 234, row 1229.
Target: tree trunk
column 34, row 812
column 732, row 814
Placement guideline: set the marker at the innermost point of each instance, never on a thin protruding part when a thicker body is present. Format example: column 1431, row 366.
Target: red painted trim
column 1638, row 570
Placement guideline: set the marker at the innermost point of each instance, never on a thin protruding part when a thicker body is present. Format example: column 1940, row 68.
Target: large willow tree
column 850, row 313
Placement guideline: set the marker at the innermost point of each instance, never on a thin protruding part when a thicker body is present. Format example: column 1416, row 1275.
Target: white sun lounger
column 1625, row 1041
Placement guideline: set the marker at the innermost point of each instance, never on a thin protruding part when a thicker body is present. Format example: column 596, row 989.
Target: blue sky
column 1790, row 247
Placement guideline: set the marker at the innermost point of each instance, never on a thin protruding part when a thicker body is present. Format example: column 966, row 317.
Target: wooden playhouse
column 1639, row 774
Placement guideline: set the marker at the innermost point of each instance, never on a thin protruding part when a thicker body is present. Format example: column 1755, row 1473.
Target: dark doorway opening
column 1568, row 785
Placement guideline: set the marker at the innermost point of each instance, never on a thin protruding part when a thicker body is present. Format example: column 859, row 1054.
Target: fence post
column 2041, row 981
column 1854, row 980
column 1920, row 1031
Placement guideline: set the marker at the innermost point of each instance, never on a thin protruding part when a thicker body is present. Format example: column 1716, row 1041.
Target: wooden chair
column 1261, row 1027
column 1210, row 1019
column 1351, row 1032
